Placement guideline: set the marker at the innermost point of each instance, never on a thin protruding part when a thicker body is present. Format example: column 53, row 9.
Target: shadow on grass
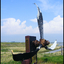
column 45, row 60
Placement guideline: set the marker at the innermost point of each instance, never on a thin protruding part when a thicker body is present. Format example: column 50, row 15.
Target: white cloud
column 53, row 26
column 45, row 4
column 56, row 7
column 33, row 20
column 13, row 26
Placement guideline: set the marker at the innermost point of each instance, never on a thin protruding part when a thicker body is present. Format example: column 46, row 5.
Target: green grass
column 12, row 44
column 6, row 56
column 52, row 59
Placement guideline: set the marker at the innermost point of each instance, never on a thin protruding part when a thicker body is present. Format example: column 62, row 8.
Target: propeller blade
column 40, row 22
column 52, row 47
column 20, row 56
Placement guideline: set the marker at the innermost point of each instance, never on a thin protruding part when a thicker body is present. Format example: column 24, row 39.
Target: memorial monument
column 33, row 45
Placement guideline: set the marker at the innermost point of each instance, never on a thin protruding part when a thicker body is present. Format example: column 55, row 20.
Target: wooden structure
column 30, row 47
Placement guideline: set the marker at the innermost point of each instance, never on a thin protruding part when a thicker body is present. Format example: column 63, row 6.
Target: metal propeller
column 40, row 25
column 20, row 56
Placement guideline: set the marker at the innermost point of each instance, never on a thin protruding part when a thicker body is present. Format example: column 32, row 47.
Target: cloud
column 54, row 26
column 13, row 26
column 45, row 4
column 33, row 20
column 54, row 6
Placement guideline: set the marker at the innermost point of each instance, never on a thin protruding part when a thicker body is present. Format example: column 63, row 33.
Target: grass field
column 42, row 58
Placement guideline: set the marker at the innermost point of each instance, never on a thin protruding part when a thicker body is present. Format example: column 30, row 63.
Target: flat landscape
column 17, row 47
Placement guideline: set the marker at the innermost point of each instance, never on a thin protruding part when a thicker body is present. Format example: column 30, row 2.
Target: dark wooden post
column 30, row 47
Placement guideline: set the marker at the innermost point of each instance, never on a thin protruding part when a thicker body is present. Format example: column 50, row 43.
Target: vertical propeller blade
column 40, row 22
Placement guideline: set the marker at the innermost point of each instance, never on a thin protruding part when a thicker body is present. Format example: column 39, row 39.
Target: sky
column 19, row 19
